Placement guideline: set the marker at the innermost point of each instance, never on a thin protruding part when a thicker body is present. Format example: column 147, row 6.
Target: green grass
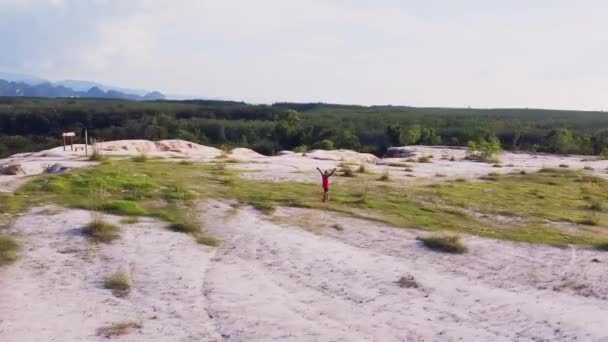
column 142, row 158
column 532, row 199
column 8, row 249
column 101, row 231
column 444, row 242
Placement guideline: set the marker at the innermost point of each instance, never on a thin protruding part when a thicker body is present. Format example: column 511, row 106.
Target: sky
column 477, row 53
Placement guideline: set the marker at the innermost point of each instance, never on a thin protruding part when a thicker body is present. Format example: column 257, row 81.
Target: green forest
column 29, row 124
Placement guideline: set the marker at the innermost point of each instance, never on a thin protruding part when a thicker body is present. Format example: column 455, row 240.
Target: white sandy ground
column 293, row 277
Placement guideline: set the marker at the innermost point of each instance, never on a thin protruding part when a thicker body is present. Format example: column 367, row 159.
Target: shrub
column 444, row 242
column 588, row 168
column 118, row 282
column 325, row 144
column 486, row 150
column 100, row 230
column 300, row 149
column 602, row 246
column 8, row 249
column 426, row 159
column 362, row 169
column 564, row 165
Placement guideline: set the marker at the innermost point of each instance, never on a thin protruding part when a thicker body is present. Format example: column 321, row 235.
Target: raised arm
column 332, row 172
column 320, row 171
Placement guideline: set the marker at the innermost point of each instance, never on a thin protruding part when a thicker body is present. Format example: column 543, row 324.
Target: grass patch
column 207, row 240
column 11, row 170
column 99, row 230
column 362, row 169
column 444, row 242
column 129, row 220
column 118, row 329
column 187, row 227
column 142, row 158
column 123, row 207
column 118, row 282
column 347, row 172
column 588, row 168
column 602, row 246
column 8, row 249
column 156, row 186
column 385, row 176
column 425, row 159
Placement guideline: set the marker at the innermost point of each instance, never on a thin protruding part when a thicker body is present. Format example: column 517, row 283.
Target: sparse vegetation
column 588, row 168
column 385, row 176
column 565, row 166
column 118, row 329
column 8, row 249
column 551, row 195
column 362, row 169
column 118, row 282
column 129, row 220
column 444, row 242
column 425, row 159
column 96, row 154
column 207, row 240
column 11, row 170
column 408, row 282
column 602, row 246
column 100, row 230
column 142, row 158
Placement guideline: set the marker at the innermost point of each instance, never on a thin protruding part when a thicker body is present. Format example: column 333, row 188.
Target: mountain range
column 16, row 85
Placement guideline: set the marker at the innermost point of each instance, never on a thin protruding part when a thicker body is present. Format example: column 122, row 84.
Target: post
column 86, row 142
column 63, row 138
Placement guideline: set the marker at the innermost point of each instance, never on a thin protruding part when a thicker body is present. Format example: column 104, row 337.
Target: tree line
column 28, row 124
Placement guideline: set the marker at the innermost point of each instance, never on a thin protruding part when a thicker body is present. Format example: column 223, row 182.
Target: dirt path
column 274, row 282
column 54, row 292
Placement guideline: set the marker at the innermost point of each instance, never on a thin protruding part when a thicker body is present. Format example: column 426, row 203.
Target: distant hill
column 46, row 89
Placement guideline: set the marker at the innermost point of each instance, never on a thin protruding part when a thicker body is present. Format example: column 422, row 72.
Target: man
column 325, row 178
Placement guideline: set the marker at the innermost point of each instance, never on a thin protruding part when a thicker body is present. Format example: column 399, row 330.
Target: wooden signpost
column 68, row 137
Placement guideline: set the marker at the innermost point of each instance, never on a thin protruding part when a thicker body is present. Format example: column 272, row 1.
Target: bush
column 8, row 249
column 362, row 169
column 565, row 166
column 96, row 154
column 325, row 144
column 300, row 149
column 118, row 282
column 444, row 242
column 486, row 150
column 602, row 246
column 347, row 172
column 100, row 230
column 426, row 159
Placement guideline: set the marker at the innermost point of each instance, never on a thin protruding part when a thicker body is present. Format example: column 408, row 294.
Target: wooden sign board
column 69, row 134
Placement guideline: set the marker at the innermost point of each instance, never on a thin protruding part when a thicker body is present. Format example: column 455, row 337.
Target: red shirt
column 325, row 182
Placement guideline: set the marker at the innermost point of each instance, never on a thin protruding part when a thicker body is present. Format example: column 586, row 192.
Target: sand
column 298, row 275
